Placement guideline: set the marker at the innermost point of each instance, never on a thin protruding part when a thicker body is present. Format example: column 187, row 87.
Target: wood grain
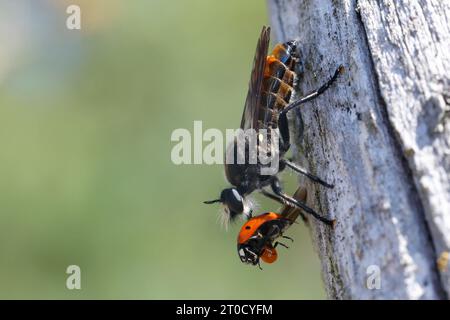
column 381, row 134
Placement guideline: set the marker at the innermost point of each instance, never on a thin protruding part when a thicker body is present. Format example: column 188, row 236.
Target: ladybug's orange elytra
column 249, row 228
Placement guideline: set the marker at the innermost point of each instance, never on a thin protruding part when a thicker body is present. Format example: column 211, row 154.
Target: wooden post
column 381, row 134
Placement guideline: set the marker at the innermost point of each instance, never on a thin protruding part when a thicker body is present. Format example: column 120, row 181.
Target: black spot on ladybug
column 247, row 227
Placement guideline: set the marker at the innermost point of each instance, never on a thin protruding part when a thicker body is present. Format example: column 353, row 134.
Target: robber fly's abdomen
column 279, row 77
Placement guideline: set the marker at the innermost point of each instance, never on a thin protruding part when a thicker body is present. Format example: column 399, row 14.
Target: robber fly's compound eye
column 233, row 200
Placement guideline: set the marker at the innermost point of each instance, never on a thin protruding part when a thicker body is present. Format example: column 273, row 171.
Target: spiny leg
column 277, row 189
column 314, row 94
column 300, row 170
column 272, row 196
column 283, row 126
column 289, row 238
column 280, row 200
column 307, row 209
column 299, row 124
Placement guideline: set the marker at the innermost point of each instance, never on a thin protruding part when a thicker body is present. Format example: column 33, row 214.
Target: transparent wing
column 252, row 106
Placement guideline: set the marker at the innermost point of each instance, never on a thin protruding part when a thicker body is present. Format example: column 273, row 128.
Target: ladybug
column 256, row 238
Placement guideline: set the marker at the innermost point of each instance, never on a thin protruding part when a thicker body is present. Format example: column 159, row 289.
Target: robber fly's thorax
column 277, row 89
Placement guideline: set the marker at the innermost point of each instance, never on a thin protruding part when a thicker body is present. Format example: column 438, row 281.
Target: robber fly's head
column 234, row 204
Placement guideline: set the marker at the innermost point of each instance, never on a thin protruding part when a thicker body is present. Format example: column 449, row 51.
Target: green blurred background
column 85, row 171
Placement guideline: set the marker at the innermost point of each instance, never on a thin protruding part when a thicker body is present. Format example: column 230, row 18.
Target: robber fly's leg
column 281, row 244
column 285, row 143
column 299, row 65
column 300, row 170
column 299, row 124
column 276, row 187
column 289, row 238
column 280, row 200
column 316, row 93
column 272, row 196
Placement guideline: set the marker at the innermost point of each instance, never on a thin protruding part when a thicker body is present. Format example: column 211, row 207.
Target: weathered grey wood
column 382, row 135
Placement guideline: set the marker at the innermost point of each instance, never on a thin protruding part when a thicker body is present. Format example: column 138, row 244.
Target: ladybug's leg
column 314, row 94
column 300, row 170
column 289, row 238
column 281, row 244
column 278, row 190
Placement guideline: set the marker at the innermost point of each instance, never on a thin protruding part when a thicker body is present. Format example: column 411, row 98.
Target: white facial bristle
column 224, row 217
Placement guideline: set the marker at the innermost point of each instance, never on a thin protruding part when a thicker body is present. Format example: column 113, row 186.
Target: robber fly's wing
column 252, row 111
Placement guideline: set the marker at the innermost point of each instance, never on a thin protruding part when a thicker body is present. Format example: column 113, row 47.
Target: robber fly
column 258, row 238
column 266, row 107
